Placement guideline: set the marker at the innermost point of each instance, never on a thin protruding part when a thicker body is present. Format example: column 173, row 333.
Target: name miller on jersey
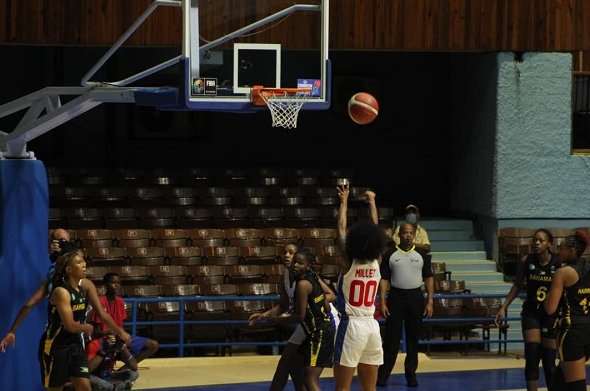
column 364, row 273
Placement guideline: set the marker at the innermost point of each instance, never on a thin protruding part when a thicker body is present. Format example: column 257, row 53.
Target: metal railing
column 485, row 323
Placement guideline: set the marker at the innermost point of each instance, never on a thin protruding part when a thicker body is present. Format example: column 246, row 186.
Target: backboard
column 229, row 47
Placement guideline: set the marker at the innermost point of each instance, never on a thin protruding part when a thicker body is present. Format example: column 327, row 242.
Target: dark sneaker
column 411, row 379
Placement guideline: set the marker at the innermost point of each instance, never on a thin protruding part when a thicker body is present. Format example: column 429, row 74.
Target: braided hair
column 58, row 277
column 579, row 241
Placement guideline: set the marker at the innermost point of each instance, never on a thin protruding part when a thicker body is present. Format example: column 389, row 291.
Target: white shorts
column 358, row 341
column 298, row 336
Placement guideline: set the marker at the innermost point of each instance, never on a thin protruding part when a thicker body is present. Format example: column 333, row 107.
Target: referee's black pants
column 406, row 307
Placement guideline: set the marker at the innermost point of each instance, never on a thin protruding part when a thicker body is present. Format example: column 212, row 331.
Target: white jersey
column 358, row 288
column 289, row 288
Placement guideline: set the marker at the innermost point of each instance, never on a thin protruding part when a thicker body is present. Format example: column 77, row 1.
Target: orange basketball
column 363, row 108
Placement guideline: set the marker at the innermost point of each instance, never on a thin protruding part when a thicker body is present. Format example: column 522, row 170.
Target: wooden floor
column 480, row 371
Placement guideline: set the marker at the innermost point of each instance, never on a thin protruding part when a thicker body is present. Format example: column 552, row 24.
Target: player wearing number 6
column 535, row 272
column 403, row 270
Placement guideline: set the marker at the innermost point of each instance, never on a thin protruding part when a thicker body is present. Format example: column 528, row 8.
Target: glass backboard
column 229, row 47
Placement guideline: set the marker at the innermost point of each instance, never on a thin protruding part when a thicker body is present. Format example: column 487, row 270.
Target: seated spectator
column 421, row 240
column 113, row 304
column 102, row 354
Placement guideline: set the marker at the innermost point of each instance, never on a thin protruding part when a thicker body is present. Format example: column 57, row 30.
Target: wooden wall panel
column 412, row 25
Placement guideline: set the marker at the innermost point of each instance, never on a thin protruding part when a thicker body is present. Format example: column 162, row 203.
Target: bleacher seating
column 207, row 232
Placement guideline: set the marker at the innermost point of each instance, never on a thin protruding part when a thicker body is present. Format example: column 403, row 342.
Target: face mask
column 411, row 218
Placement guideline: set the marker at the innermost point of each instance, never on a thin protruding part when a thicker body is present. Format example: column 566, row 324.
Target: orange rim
column 256, row 92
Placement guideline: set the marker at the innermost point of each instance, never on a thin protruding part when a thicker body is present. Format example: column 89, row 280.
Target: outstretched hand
column 9, row 339
column 368, row 196
column 343, row 192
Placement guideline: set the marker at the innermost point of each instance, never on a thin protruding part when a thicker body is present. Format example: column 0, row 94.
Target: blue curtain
column 23, row 265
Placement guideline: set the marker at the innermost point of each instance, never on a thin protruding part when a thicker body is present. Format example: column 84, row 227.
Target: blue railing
column 484, row 322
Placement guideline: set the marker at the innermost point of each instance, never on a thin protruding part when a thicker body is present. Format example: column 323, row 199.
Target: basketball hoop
column 284, row 103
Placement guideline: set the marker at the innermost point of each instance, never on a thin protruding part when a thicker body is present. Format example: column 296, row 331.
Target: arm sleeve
column 427, row 267
column 384, row 267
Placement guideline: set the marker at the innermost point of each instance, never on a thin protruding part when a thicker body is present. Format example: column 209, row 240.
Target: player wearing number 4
column 358, row 339
column 535, row 272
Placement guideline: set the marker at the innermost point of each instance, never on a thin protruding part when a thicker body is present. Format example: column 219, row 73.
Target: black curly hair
column 365, row 241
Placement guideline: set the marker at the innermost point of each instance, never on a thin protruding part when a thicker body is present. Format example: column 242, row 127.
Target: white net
column 284, row 106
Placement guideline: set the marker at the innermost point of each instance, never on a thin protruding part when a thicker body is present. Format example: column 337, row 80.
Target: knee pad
column 558, row 383
column 532, row 354
column 579, row 385
column 548, row 359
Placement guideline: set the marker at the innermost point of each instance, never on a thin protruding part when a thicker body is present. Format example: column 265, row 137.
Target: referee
column 403, row 270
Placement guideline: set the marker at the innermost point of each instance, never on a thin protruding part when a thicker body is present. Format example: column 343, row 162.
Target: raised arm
column 36, row 297
column 343, row 192
column 369, row 198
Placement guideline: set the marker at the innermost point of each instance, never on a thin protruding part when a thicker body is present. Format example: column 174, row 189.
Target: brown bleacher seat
column 220, row 289
column 132, row 237
column 245, row 273
column 450, row 286
column 243, row 237
column 330, row 254
column 147, row 256
column 222, row 255
column 69, row 196
column 206, row 237
column 440, row 271
column 228, row 216
column 193, row 217
column 256, row 288
column 85, row 217
column 105, row 256
column 261, row 217
column 118, row 218
column 185, row 255
column 302, row 217
column 146, row 195
column 279, row 236
column 108, row 196
column 330, row 272
column 142, row 290
column 206, row 274
column 273, row 273
column 181, row 196
column 317, row 237
column 96, row 273
column 155, row 217
column 133, row 275
column 258, row 255
column 169, row 275
column 181, row 290
column 94, row 237
column 170, row 237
